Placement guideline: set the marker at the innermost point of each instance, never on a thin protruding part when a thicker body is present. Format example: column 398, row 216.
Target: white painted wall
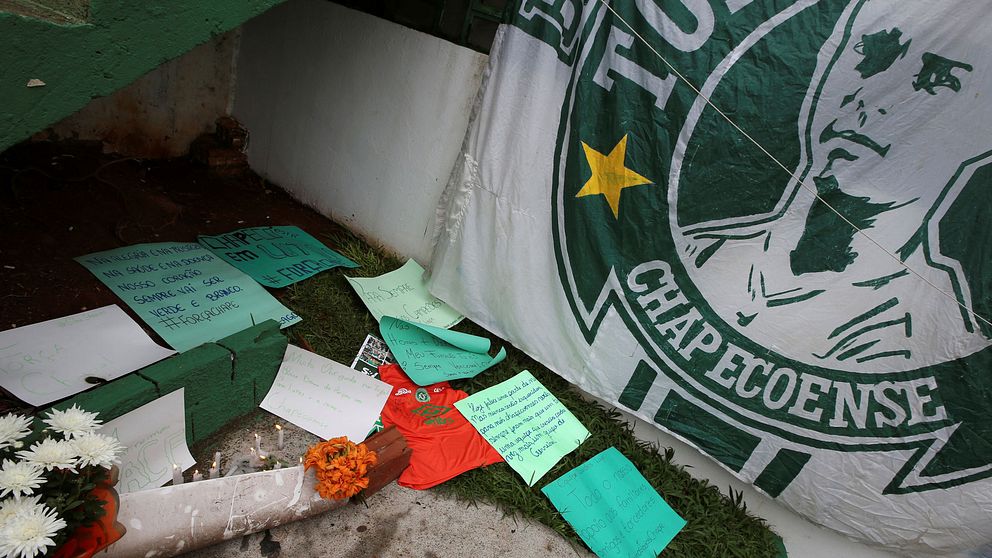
column 356, row 116
column 362, row 119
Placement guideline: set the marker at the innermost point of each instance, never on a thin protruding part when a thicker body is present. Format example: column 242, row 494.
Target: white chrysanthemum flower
column 31, row 533
column 96, row 449
column 12, row 507
column 19, row 478
column 72, row 421
column 12, row 429
column 51, row 454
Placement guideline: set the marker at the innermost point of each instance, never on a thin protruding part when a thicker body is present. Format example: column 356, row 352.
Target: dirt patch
column 60, row 200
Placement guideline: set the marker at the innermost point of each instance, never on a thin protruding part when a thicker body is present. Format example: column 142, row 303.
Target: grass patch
column 335, row 322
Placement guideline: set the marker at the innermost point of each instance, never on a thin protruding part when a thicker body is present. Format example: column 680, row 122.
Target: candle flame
column 214, row 465
column 278, row 427
column 174, row 466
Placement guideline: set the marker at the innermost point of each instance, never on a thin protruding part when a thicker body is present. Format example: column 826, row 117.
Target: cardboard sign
column 48, row 361
column 526, row 424
column 274, row 256
column 402, row 293
column 154, row 436
column 325, row 397
column 430, row 354
column 613, row 508
column 186, row 294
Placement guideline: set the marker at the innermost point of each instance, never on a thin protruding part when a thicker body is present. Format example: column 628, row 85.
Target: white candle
column 278, row 465
column 281, row 441
column 212, row 473
column 177, row 475
column 258, row 443
column 216, row 458
column 197, row 476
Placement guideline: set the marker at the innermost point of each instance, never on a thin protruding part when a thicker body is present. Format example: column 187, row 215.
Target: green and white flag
column 761, row 225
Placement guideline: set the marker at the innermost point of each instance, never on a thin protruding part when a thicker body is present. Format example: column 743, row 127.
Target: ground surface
column 403, row 523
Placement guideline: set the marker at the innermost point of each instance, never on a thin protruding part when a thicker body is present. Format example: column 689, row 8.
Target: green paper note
column 275, row 256
column 431, row 354
column 185, row 293
column 613, row 508
column 525, row 423
column 403, row 294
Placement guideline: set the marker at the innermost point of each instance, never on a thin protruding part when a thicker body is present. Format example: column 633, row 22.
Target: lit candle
column 258, row 443
column 216, row 458
column 197, row 476
column 301, row 461
column 212, row 473
column 177, row 475
column 281, row 441
column 278, row 465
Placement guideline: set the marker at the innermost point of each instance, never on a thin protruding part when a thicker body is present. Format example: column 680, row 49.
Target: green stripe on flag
column 781, row 471
column 637, row 387
column 728, row 445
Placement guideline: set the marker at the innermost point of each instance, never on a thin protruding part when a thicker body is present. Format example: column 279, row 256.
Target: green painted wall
column 223, row 381
column 120, row 41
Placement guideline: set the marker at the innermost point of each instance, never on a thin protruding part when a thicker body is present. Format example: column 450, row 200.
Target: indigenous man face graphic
column 894, row 130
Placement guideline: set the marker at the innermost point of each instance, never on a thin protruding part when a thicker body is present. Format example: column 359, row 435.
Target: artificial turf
column 335, row 322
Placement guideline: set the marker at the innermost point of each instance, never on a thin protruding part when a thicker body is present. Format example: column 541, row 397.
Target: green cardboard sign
column 274, row 256
column 613, row 508
column 186, row 294
column 403, row 294
column 525, row 423
column 431, row 354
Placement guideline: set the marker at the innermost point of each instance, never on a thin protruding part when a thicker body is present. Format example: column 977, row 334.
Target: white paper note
column 325, row 397
column 48, row 361
column 155, row 437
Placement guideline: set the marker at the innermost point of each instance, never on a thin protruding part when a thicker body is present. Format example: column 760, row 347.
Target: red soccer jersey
column 443, row 442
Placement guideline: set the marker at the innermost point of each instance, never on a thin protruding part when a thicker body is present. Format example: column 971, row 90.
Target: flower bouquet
column 56, row 486
column 341, row 467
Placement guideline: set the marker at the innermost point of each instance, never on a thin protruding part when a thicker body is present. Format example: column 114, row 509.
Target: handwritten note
column 525, row 423
column 155, row 437
column 431, row 354
column 47, row 361
column 325, row 397
column 275, row 256
column 402, row 293
column 185, row 293
column 613, row 508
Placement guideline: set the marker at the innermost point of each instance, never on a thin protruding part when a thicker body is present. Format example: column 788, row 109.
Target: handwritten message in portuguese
column 186, row 294
column 525, row 423
column 275, row 256
column 613, row 508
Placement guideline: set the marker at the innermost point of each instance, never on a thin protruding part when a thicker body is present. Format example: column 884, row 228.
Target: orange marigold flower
column 340, row 466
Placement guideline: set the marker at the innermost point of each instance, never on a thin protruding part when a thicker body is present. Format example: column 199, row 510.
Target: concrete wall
column 120, row 41
column 356, row 116
column 164, row 110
